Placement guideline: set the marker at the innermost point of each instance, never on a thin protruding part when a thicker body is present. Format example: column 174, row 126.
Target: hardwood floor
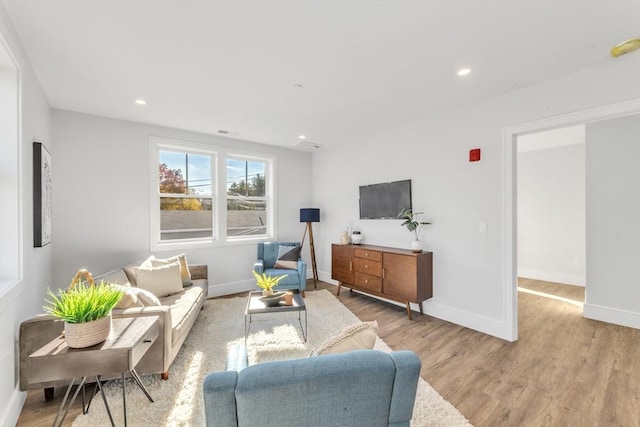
column 564, row 370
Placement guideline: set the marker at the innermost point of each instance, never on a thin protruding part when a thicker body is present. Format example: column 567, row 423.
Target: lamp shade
column 309, row 215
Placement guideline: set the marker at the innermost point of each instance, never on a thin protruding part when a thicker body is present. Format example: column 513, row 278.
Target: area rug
column 178, row 401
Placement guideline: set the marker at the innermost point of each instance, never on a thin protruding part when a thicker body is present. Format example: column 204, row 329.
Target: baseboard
column 11, row 411
column 552, row 276
column 231, row 288
column 616, row 316
column 464, row 318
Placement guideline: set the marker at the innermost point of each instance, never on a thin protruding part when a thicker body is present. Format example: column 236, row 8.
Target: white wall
column 25, row 299
column 613, row 221
column 469, row 280
column 101, row 199
column 551, row 214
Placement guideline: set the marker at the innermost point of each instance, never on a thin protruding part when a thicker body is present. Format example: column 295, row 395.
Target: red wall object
column 474, row 155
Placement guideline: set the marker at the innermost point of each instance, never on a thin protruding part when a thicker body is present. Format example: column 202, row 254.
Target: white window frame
column 219, row 155
column 11, row 188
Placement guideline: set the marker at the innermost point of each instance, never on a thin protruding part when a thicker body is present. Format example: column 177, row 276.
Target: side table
column 255, row 306
column 128, row 342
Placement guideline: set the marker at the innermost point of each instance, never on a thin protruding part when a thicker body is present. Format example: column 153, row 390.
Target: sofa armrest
column 219, row 399
column 258, row 267
column 302, row 271
column 199, row 271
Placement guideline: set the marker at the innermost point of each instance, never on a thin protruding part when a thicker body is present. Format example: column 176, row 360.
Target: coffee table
column 255, row 306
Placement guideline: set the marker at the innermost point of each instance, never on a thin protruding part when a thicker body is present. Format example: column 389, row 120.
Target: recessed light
column 463, row 71
column 302, row 137
column 141, row 102
column 297, row 86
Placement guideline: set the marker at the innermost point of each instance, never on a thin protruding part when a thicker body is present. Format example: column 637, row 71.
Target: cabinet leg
column 409, row 310
column 420, row 305
column 338, row 292
column 48, row 394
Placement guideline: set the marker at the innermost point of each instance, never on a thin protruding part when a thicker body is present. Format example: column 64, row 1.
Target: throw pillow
column 146, row 298
column 185, row 274
column 288, row 257
column 160, row 281
column 361, row 336
column 129, row 297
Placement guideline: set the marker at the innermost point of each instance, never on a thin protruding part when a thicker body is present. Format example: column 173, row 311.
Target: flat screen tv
column 385, row 200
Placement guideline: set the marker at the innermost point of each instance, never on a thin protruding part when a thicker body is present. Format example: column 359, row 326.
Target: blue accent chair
column 267, row 256
column 362, row 388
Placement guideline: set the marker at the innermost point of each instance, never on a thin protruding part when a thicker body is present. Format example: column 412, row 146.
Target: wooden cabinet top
column 384, row 249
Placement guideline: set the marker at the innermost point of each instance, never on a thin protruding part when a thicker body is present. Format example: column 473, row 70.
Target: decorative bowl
column 272, row 300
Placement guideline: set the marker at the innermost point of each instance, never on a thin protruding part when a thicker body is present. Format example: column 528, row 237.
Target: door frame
column 509, row 151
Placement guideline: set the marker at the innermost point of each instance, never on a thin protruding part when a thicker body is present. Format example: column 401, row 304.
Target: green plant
column 267, row 283
column 82, row 302
column 411, row 222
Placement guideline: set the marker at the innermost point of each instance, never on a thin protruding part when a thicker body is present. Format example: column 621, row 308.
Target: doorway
column 511, row 135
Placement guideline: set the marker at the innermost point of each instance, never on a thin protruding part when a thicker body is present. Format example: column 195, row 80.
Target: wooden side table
column 128, row 342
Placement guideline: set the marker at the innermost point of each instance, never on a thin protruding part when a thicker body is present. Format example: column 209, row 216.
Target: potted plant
column 412, row 224
column 267, row 283
column 85, row 308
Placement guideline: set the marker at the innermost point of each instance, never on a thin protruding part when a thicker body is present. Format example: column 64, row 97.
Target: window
column 186, row 201
column 195, row 202
column 10, row 182
column 246, row 197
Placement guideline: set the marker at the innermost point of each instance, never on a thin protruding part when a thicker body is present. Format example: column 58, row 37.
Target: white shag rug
column 178, row 401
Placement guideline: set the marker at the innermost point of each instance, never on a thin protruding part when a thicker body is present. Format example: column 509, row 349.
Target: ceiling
column 362, row 66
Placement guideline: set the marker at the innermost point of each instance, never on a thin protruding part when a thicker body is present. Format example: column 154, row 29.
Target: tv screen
column 385, row 200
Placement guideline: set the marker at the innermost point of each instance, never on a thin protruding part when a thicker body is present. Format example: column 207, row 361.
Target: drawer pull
column 366, row 266
column 147, row 341
column 350, row 266
column 366, row 281
column 366, row 254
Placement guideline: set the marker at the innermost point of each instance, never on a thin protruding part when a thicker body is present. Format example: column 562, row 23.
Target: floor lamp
column 310, row 215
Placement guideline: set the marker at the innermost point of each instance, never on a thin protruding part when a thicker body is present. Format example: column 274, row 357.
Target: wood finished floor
column 564, row 370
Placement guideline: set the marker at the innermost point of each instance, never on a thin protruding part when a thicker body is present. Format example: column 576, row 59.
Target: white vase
column 416, row 246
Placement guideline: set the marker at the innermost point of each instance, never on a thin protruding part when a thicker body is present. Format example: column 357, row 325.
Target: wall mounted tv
column 385, row 200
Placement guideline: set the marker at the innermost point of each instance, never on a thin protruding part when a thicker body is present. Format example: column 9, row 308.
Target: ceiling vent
column 223, row 132
column 307, row 145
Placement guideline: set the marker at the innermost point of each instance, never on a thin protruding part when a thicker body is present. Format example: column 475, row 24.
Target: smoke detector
column 305, row 144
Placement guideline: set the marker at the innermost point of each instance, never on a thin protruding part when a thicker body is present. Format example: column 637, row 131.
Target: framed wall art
column 41, row 195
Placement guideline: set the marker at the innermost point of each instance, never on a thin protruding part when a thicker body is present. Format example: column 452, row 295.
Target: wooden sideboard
column 396, row 274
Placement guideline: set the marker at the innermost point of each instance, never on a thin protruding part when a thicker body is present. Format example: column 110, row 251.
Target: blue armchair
column 362, row 388
column 267, row 257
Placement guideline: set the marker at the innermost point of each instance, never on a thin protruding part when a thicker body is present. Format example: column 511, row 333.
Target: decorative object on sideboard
column 413, row 225
column 267, row 283
column 356, row 237
column 310, row 215
column 345, row 239
column 41, row 195
column 85, row 308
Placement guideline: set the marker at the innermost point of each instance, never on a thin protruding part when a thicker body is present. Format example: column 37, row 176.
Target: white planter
column 416, row 246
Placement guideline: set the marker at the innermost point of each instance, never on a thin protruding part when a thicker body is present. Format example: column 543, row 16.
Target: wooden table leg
column 420, row 305
column 409, row 310
column 339, row 286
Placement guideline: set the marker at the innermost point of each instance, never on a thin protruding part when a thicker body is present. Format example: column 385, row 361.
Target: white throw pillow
column 185, row 274
column 129, row 297
column 160, row 281
column 361, row 336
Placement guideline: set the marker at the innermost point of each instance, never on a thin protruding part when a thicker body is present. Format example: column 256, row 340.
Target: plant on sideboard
column 85, row 308
column 413, row 225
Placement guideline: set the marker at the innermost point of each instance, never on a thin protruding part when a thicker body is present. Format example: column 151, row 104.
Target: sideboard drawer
column 365, row 253
column 367, row 266
column 368, row 281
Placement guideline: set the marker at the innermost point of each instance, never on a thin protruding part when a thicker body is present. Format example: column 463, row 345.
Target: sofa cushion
column 181, row 259
column 115, row 277
column 288, row 257
column 160, row 281
column 183, row 308
column 361, row 336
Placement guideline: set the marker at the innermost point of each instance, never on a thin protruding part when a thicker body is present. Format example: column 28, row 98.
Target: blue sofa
column 362, row 388
column 267, row 256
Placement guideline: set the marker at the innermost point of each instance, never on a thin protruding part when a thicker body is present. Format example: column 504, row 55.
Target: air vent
column 307, row 145
column 223, row 132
